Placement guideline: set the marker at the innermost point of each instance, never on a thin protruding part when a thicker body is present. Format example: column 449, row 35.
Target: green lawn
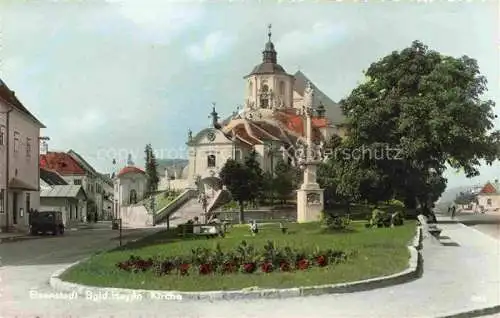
column 379, row 252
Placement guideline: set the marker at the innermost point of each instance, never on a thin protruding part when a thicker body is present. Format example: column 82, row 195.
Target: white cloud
column 321, row 35
column 213, row 45
column 160, row 13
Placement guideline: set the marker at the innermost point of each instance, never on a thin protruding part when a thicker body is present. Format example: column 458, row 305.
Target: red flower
column 249, row 267
column 266, row 267
column 124, row 266
column 303, row 264
column 285, row 267
column 205, row 269
column 321, row 260
column 183, row 268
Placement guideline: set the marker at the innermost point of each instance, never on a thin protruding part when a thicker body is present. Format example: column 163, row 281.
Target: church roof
column 285, row 127
column 332, row 109
column 130, row 169
column 267, row 68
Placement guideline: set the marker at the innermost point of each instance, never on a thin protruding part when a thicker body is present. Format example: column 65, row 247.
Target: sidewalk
column 14, row 236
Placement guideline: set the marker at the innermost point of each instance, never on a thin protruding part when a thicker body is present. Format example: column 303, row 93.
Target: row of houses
column 30, row 180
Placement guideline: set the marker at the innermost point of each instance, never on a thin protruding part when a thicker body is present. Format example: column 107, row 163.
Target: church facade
column 271, row 122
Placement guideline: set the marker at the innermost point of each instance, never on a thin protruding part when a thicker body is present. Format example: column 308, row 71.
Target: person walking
column 453, row 211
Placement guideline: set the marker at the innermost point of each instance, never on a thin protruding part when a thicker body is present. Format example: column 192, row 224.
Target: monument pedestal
column 310, row 203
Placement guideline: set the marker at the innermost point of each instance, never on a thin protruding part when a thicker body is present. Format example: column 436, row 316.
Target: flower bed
column 244, row 259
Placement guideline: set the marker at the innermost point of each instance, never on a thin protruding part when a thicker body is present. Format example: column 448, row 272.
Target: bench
column 281, row 225
column 206, row 230
column 430, row 228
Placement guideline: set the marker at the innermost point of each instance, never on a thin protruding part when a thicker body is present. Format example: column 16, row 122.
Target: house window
column 77, row 182
column 211, row 161
column 2, row 201
column 28, row 147
column 28, row 202
column 16, row 141
column 2, row 135
column 237, row 155
column 488, row 202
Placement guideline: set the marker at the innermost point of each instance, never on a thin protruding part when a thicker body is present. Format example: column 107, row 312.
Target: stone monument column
column 310, row 197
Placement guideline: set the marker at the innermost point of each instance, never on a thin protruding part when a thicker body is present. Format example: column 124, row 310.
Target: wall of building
column 490, row 202
column 125, row 184
column 24, row 150
column 71, row 209
column 274, row 82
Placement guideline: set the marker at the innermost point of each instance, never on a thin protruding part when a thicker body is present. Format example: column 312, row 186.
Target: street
column 27, row 266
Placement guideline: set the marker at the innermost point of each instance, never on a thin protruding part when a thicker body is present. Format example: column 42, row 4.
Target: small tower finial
column 269, row 33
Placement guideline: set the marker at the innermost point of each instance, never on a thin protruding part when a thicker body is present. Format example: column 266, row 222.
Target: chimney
column 44, row 148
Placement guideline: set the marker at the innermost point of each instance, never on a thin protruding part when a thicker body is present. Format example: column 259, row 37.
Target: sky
column 108, row 77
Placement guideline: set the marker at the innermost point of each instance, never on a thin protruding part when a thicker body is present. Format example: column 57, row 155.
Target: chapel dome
column 129, row 170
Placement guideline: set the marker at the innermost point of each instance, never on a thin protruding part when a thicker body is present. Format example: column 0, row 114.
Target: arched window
column 211, row 161
column 264, row 96
column 282, row 88
column 250, row 88
column 133, row 197
column 488, row 202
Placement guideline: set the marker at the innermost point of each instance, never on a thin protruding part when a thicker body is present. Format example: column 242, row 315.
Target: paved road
column 464, row 276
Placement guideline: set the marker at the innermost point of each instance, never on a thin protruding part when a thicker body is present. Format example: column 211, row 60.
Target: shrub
column 335, row 222
column 397, row 219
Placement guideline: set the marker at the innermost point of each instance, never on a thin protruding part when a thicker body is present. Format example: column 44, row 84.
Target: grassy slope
column 381, row 252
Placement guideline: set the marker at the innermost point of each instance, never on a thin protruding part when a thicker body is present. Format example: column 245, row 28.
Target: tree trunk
column 242, row 215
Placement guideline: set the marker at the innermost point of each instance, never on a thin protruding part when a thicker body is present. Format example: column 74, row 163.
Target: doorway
column 14, row 208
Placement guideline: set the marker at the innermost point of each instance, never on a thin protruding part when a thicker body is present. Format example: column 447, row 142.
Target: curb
column 17, row 239
column 475, row 313
column 414, row 271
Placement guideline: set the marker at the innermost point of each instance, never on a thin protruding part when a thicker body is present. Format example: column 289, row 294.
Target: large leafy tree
column 241, row 182
column 256, row 176
column 422, row 110
column 151, row 170
column 284, row 180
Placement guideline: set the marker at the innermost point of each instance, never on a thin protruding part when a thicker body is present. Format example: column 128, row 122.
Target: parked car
column 47, row 221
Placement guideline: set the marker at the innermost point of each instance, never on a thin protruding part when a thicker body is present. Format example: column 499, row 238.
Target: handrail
column 175, row 204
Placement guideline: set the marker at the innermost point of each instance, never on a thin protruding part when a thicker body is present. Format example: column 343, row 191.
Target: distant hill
column 449, row 196
column 172, row 162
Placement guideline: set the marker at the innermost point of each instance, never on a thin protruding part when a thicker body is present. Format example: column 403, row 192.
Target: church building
column 271, row 122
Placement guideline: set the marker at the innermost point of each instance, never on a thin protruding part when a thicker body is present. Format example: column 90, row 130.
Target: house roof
column 130, row 169
column 490, row 188
column 84, row 164
column 10, row 97
column 63, row 191
column 51, row 177
column 61, row 162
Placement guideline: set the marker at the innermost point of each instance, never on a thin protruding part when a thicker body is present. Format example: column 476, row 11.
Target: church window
column 211, row 161
column 133, row 197
column 282, row 88
column 264, row 97
column 250, row 88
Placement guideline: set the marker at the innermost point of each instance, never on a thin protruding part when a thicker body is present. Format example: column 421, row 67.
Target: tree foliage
column 244, row 181
column 151, row 170
column 284, row 180
column 427, row 108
